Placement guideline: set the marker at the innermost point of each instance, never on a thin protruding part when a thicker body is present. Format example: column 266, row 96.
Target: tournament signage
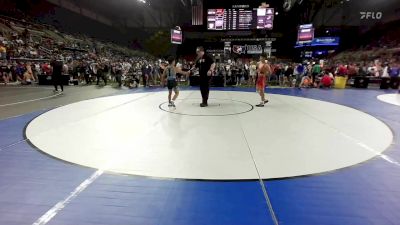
column 176, row 36
column 240, row 6
column 305, row 33
column 321, row 41
column 371, row 15
column 238, row 49
column 227, row 48
column 248, row 39
column 254, row 49
column 247, row 49
column 325, row 41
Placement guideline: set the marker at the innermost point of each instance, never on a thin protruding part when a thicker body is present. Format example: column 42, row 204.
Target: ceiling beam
column 76, row 8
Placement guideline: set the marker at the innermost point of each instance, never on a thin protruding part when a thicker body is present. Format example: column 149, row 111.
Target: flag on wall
column 197, row 13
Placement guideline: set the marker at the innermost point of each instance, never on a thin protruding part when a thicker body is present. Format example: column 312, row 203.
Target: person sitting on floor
column 27, row 79
column 5, row 73
column 326, row 80
column 306, row 82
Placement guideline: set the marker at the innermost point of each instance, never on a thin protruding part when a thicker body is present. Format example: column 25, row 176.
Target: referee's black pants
column 204, row 89
column 57, row 81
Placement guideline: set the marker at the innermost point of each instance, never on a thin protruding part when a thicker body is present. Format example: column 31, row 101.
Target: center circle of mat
column 216, row 107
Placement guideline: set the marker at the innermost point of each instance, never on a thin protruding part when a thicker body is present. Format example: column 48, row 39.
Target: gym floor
column 108, row 156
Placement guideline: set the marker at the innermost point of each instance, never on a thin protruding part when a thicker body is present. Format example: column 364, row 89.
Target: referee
column 58, row 67
column 206, row 67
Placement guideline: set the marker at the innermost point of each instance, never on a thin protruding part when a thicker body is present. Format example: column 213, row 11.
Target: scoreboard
column 240, row 19
column 305, row 34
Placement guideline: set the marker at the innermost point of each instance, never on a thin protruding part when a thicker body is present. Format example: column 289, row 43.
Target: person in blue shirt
column 299, row 73
column 394, row 71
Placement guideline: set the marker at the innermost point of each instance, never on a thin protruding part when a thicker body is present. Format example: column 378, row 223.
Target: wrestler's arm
column 179, row 70
column 269, row 71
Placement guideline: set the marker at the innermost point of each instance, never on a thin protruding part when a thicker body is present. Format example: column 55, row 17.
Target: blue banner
column 320, row 41
column 325, row 41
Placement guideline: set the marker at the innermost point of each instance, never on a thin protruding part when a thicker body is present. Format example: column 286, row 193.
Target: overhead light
column 142, row 1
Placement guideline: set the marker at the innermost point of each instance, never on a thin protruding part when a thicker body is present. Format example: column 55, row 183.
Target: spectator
column 5, row 73
column 352, row 71
column 102, row 71
column 306, row 82
column 395, row 70
column 342, row 70
column 57, row 71
column 19, row 71
column 299, row 72
column 326, row 80
column 288, row 75
column 253, row 72
column 386, row 70
column 316, row 70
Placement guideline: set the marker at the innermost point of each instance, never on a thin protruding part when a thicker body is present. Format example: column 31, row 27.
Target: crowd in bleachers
column 311, row 73
column 27, row 49
column 381, row 43
column 377, row 57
